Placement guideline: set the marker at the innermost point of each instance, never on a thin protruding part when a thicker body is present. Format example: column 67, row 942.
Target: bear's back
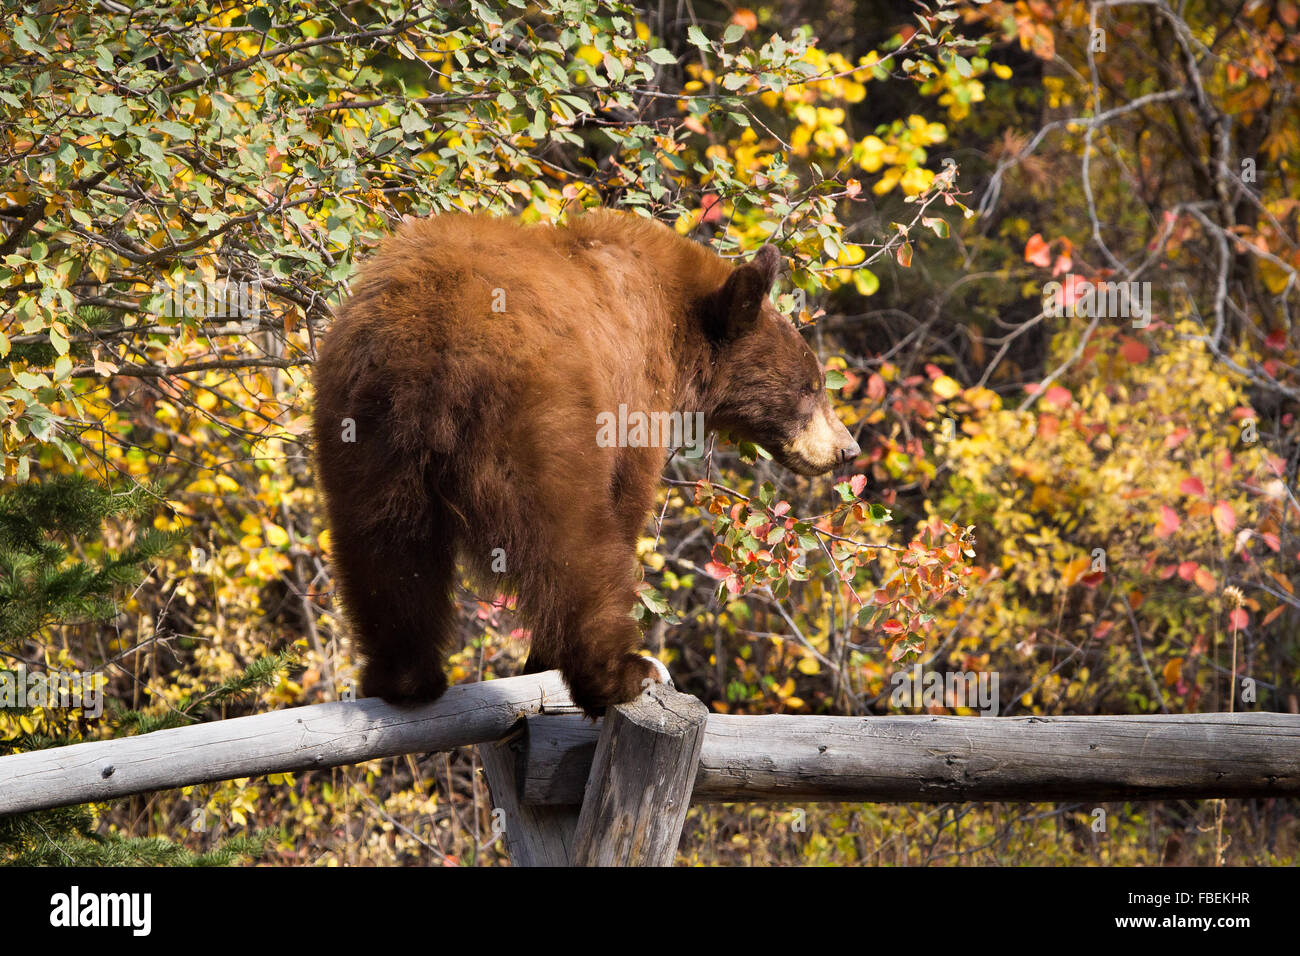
column 467, row 324
column 459, row 270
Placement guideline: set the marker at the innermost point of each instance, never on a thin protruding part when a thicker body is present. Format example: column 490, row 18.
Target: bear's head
column 767, row 385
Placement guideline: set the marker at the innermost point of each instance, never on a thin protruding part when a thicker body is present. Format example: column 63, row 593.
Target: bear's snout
column 821, row 445
column 849, row 451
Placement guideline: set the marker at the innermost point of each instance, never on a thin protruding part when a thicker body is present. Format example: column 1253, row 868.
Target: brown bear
column 462, row 403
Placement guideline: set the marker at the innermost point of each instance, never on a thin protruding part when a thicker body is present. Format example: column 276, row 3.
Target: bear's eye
column 806, row 391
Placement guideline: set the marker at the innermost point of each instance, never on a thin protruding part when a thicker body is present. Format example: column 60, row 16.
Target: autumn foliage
column 1101, row 508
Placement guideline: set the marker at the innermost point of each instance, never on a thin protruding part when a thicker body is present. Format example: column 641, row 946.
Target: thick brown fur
column 475, row 429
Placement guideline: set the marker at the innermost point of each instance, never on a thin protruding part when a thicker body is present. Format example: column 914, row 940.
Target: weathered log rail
column 616, row 793
column 299, row 738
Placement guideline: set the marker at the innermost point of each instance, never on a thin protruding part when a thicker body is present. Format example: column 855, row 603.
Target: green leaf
column 152, row 151
column 258, row 19
column 940, row 226
column 866, row 281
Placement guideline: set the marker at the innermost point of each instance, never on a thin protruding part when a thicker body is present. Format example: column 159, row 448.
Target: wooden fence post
column 641, row 780
column 535, row 835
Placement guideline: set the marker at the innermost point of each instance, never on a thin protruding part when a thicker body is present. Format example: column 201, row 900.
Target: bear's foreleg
column 596, row 643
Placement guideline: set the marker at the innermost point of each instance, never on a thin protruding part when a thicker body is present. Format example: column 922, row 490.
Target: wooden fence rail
column 299, row 738
column 616, row 793
column 940, row 759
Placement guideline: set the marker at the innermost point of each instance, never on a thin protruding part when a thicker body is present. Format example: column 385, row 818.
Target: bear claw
column 664, row 676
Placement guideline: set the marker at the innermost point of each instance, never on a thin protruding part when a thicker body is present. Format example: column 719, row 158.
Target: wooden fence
column 616, row 792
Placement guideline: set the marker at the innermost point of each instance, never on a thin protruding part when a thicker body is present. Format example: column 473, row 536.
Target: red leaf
column 1058, row 395
column 1037, row 251
column 1072, row 289
column 1239, row 619
column 875, row 387
column 1205, row 580
column 1191, row 486
column 1225, row 519
column 1134, row 352
column 719, row 571
column 1169, row 522
column 893, row 626
column 857, row 483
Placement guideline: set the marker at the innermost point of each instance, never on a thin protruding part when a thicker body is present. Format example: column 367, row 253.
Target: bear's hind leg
column 397, row 592
column 536, row 662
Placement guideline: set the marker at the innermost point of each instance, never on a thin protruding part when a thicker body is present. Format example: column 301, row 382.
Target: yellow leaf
column 946, row 387
column 809, row 666
column 1074, row 570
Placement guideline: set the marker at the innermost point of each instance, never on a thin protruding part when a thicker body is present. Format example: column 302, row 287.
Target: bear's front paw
column 662, row 675
column 634, row 675
column 641, row 673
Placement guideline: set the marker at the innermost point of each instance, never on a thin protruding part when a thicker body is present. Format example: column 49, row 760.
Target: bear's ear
column 734, row 309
